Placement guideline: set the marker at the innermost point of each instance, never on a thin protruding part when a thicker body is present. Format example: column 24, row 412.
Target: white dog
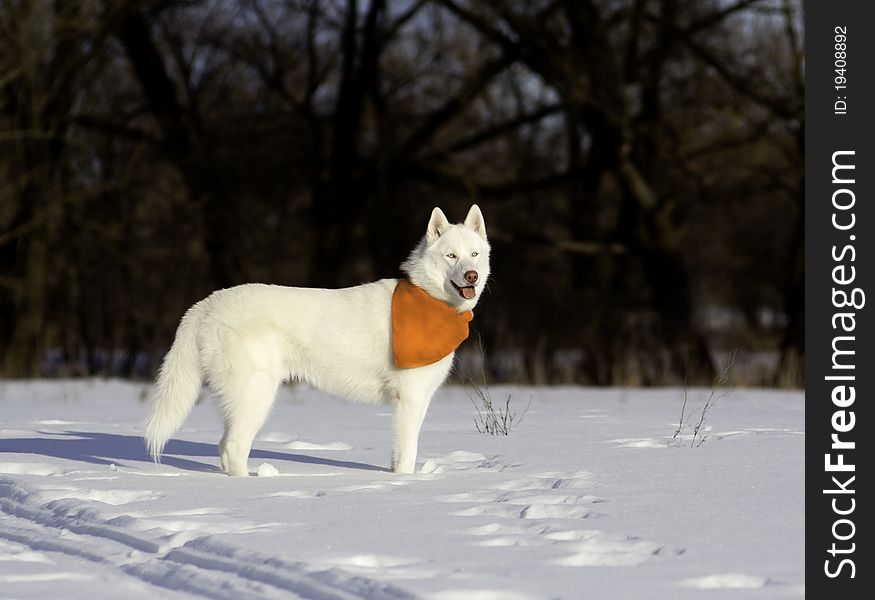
column 246, row 340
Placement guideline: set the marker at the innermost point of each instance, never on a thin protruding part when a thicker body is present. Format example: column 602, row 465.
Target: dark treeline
column 639, row 163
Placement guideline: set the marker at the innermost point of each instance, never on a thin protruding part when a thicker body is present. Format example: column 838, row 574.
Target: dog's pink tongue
column 468, row 292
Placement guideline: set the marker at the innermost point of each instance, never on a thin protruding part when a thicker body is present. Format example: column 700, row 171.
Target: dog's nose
column 471, row 277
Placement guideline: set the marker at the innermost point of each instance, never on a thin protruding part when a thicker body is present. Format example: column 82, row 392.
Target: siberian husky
column 245, row 341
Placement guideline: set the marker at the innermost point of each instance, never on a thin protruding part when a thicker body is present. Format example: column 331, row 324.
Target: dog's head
column 452, row 261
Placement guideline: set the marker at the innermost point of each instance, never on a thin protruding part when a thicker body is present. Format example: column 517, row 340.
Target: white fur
column 246, row 340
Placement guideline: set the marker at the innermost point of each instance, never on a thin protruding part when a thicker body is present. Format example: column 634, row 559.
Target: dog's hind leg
column 245, row 405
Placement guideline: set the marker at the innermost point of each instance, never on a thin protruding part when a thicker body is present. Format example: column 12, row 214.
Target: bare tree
column 633, row 158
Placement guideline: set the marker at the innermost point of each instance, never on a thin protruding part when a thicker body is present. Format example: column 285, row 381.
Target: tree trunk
column 25, row 354
column 339, row 209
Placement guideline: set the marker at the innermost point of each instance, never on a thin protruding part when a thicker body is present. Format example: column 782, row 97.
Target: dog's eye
column 475, row 254
column 451, row 255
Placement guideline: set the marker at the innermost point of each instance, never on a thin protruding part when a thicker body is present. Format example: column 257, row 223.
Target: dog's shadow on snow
column 112, row 448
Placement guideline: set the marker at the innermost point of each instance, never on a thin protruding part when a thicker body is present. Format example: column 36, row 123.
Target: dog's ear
column 437, row 225
column 475, row 221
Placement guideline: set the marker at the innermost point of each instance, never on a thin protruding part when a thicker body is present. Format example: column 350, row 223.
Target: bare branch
column 719, row 16
column 482, row 25
column 402, row 20
column 498, row 130
column 740, row 83
column 476, row 83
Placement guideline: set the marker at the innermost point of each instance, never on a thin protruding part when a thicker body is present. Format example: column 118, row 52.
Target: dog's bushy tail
column 178, row 385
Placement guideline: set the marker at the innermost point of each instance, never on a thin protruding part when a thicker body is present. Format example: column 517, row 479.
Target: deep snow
column 589, row 497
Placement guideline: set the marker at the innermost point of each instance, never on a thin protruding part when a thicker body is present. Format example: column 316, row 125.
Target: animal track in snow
column 505, row 529
column 550, row 481
column 524, row 505
column 544, row 496
column 557, row 511
column 503, row 534
column 460, row 460
column 549, row 502
column 599, row 549
column 546, row 499
column 532, row 511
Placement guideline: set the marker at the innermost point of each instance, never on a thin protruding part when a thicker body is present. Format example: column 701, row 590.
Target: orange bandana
column 424, row 329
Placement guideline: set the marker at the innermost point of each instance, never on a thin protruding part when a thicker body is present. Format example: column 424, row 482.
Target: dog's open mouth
column 466, row 292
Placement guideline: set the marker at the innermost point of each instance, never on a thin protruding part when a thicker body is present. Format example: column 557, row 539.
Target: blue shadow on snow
column 108, row 448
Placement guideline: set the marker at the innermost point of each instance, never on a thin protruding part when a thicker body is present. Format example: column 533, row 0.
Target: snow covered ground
column 589, row 497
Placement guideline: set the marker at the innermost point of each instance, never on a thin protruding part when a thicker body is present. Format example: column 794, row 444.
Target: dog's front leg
column 407, row 421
